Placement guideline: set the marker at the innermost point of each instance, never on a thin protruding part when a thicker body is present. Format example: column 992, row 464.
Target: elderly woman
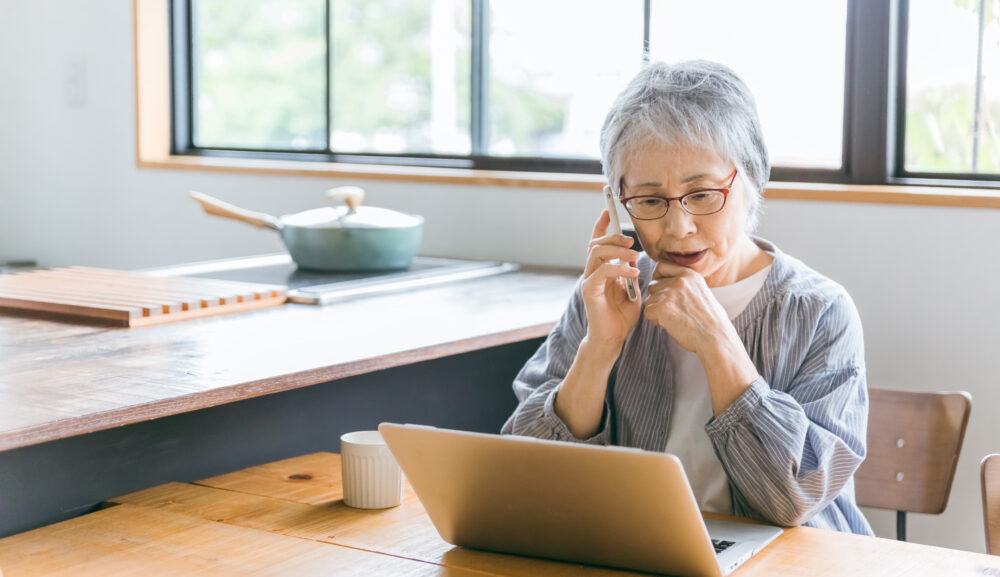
column 739, row 359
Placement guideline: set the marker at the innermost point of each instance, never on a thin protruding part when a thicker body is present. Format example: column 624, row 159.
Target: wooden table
column 61, row 379
column 287, row 518
column 89, row 412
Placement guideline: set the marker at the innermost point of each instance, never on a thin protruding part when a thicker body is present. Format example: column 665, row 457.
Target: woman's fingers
column 667, row 269
column 608, row 273
column 612, row 240
column 606, row 252
column 600, row 234
column 601, row 226
column 602, row 253
column 662, row 285
column 669, row 276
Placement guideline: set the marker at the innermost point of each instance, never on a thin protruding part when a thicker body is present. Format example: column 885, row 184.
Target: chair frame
column 921, row 434
column 989, row 476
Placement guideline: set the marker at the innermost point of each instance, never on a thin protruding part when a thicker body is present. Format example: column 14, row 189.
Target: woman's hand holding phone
column 611, row 315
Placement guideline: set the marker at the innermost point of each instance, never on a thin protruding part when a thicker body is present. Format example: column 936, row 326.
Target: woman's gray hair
column 697, row 103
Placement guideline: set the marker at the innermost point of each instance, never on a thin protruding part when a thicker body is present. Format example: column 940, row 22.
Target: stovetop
column 316, row 287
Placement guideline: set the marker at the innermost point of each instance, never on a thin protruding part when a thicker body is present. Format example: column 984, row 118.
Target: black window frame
column 873, row 120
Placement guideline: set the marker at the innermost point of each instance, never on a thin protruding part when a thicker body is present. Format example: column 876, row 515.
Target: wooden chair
column 914, row 440
column 990, row 476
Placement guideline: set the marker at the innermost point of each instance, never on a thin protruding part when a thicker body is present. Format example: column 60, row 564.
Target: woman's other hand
column 610, row 315
column 681, row 303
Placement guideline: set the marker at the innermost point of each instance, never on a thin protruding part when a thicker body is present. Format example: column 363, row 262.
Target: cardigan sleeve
column 536, row 385
column 789, row 453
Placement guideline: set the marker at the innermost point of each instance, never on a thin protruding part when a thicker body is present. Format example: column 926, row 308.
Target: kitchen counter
column 61, row 379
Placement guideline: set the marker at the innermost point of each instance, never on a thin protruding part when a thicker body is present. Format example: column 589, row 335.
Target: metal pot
column 343, row 238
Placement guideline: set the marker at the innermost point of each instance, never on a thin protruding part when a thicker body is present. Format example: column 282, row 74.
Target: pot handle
column 351, row 195
column 217, row 207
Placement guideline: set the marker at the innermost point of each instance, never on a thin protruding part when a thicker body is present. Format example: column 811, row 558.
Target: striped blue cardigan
column 789, row 445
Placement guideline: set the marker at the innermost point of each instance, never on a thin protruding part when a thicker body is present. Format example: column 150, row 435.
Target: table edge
column 91, row 423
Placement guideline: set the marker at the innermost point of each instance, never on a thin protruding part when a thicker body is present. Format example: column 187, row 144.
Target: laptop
column 612, row 506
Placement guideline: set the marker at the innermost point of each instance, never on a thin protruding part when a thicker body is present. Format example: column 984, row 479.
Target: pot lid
column 344, row 217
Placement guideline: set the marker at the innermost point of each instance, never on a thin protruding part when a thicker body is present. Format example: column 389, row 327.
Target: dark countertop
column 61, row 379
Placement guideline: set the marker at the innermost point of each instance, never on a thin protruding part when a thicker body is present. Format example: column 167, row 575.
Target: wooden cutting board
column 130, row 299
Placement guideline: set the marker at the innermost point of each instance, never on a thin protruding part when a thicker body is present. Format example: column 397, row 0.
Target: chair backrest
column 990, row 471
column 914, row 440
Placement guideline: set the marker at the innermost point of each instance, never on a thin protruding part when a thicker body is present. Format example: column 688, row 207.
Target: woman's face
column 714, row 245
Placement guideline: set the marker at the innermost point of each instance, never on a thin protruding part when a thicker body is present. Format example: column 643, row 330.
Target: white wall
column 925, row 279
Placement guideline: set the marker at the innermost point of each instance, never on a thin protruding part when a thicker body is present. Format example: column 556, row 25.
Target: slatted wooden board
column 130, row 299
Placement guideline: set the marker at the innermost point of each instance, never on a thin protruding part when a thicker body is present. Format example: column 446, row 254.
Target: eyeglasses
column 697, row 202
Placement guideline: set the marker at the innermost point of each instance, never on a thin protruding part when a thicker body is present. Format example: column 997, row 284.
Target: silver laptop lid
column 611, row 506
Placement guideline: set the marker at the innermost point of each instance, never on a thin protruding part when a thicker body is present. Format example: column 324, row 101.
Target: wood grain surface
column 60, row 379
column 301, row 497
column 128, row 541
column 288, row 518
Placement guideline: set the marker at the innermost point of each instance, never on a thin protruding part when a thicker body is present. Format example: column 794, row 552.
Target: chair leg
column 901, row 525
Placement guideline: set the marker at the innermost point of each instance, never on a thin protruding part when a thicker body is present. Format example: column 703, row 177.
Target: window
column 799, row 92
column 952, row 109
column 549, row 85
column 850, row 91
column 401, row 81
column 259, row 75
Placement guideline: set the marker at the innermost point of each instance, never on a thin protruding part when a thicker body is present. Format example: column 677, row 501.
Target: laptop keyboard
column 721, row 545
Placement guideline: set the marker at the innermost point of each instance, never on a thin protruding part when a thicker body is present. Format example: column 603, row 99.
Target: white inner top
column 693, row 406
column 362, row 438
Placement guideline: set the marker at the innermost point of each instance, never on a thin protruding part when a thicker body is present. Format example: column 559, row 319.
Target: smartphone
column 609, row 199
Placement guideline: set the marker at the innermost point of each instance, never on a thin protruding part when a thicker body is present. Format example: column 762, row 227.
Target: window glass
column 554, row 69
column 944, row 131
column 401, row 76
column 396, row 77
column 259, row 74
column 790, row 53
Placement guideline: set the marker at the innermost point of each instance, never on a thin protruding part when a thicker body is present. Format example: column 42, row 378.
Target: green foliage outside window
column 940, row 120
column 260, row 74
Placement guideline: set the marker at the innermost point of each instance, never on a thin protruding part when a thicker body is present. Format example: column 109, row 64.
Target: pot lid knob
column 351, row 195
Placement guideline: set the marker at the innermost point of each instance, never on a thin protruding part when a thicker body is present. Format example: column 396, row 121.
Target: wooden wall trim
column 152, row 79
column 885, row 194
column 562, row 181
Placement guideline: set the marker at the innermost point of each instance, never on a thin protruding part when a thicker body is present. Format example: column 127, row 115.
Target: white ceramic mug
column 370, row 475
